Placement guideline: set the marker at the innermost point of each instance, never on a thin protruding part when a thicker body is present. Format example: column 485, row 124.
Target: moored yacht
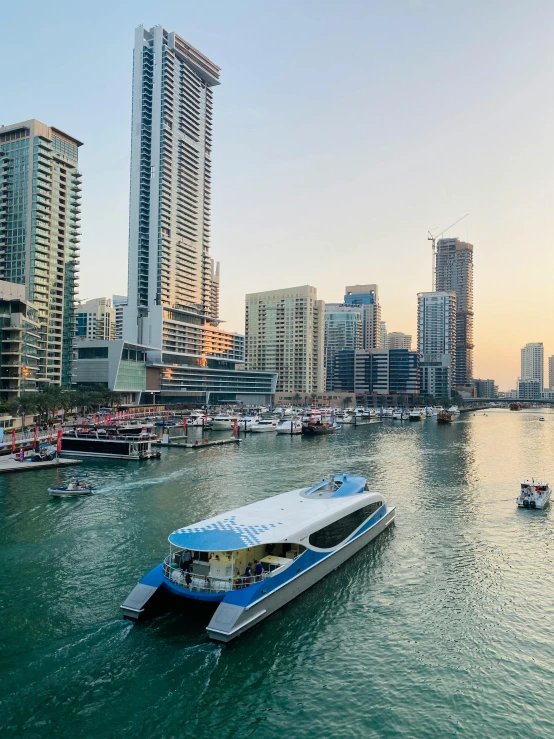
column 290, row 426
column 251, row 561
column 400, row 415
column 414, row 415
column 224, row 422
column 263, row 425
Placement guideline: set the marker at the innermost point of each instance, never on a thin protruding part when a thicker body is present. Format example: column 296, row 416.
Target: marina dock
column 8, row 465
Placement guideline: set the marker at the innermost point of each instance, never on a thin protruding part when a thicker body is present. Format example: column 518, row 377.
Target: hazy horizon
column 342, row 134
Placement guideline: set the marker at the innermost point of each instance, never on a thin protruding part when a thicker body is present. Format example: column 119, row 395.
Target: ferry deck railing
column 209, row 583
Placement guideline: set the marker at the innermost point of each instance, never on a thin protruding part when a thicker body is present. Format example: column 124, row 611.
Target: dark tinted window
column 334, row 533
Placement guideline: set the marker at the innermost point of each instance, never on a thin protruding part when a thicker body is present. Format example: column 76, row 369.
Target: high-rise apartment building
column 551, row 373
column 40, row 197
column 119, row 302
column 285, row 334
column 398, row 340
column 454, row 272
column 384, row 334
column 19, row 341
column 343, row 330
column 95, row 319
column 366, row 297
column 532, row 362
column 173, row 292
column 436, row 342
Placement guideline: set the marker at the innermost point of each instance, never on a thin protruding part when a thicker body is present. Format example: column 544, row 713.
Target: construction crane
column 433, row 239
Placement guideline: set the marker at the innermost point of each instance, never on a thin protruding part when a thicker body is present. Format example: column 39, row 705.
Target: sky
column 343, row 132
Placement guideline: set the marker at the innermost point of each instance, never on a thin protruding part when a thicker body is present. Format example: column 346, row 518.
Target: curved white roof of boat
column 288, row 517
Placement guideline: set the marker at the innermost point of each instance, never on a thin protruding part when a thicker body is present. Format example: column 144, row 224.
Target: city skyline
column 383, row 194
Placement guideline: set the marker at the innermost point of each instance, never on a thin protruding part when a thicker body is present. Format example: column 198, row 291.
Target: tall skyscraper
column 367, row 298
column 173, row 291
column 285, row 334
column 436, row 342
column 532, row 363
column 40, row 205
column 171, row 276
column 454, row 272
column 343, row 330
column 551, row 373
column 398, row 340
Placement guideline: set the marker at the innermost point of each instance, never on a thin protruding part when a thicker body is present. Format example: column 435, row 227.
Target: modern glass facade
column 379, row 372
column 40, row 194
column 366, row 297
column 343, row 330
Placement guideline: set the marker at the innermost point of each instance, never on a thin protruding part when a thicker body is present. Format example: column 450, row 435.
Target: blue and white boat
column 251, row 561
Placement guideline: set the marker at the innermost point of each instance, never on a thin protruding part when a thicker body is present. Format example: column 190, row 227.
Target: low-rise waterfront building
column 377, row 372
column 485, row 388
column 529, row 389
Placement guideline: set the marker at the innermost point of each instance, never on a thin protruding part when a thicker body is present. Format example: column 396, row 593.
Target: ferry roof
column 288, row 517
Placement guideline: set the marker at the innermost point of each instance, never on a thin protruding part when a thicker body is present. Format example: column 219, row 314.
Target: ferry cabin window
column 336, row 532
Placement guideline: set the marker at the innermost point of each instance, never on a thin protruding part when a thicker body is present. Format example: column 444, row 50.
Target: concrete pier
column 7, row 465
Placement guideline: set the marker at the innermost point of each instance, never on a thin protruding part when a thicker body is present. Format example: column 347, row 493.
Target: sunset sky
column 344, row 131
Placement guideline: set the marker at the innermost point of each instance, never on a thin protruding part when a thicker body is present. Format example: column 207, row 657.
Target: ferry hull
column 231, row 620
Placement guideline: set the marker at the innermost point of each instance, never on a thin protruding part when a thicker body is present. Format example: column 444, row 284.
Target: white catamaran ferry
column 251, row 561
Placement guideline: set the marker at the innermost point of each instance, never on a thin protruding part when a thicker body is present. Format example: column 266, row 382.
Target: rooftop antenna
column 433, row 239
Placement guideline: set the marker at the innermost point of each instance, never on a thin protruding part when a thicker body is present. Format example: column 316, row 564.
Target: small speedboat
column 533, row 494
column 541, row 418
column 75, row 487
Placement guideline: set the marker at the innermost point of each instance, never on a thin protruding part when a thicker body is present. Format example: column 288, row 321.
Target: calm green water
column 443, row 627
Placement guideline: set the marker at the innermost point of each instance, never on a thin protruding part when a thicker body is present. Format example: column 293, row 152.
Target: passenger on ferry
column 186, row 561
column 248, row 572
column 258, row 569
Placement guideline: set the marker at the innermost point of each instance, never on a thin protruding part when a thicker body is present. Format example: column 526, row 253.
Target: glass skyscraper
column 40, row 195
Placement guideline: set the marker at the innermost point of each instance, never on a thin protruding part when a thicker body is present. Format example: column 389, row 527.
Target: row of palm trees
column 52, row 399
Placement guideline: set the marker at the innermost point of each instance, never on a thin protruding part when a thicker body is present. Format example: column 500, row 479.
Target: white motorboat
column 263, row 425
column 223, row 422
column 414, row 415
column 198, row 418
column 533, row 494
column 292, row 426
column 246, row 422
column 454, row 409
column 400, row 415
